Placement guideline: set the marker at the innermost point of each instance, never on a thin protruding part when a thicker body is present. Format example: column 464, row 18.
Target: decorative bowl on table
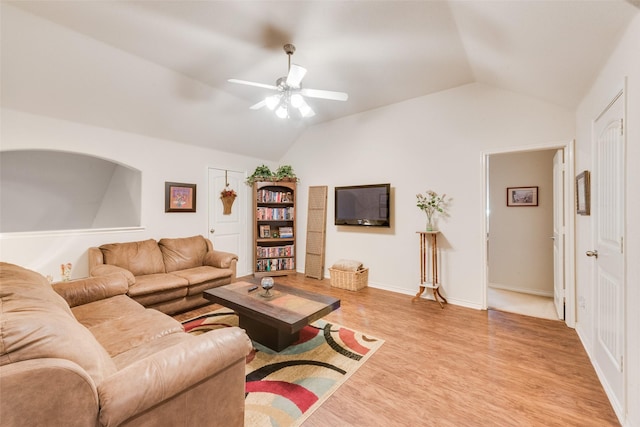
column 267, row 284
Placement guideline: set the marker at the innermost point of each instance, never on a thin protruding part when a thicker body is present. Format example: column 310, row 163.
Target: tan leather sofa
column 168, row 275
column 82, row 353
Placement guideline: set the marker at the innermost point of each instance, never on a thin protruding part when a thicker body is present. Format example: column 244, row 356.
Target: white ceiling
column 380, row 52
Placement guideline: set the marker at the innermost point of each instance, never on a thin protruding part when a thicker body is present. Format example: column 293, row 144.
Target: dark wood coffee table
column 274, row 321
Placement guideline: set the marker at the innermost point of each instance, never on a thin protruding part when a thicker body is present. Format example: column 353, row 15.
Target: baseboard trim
column 617, row 406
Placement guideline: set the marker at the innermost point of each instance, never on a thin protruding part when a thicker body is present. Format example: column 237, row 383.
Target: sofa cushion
column 203, row 274
column 36, row 325
column 196, row 290
column 151, row 300
column 22, row 288
column 183, row 253
column 148, row 348
column 158, row 283
column 140, row 258
column 98, row 312
column 127, row 332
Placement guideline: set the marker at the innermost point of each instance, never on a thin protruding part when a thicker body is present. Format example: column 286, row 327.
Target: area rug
column 283, row 389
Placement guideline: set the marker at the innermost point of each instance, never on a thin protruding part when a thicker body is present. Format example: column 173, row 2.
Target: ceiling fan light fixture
column 297, row 100
column 306, row 111
column 282, row 112
column 290, row 94
column 272, row 101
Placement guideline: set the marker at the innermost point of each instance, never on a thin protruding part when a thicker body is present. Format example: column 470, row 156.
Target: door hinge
column 621, row 244
column 621, row 363
column 621, row 127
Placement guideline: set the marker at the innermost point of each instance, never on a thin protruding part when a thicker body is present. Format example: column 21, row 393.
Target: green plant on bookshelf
column 285, row 173
column 262, row 173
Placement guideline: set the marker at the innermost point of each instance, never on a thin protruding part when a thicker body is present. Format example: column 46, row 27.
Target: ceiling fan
column 290, row 95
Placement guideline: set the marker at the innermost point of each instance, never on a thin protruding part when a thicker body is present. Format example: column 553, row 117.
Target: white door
column 608, row 257
column 558, row 232
column 228, row 232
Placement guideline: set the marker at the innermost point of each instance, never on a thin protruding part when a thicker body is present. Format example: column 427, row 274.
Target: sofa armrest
column 47, row 392
column 83, row 291
column 159, row 377
column 220, row 259
column 96, row 257
column 107, row 269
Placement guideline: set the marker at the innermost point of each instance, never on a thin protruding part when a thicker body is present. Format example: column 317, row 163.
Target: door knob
column 213, row 230
column 592, row 253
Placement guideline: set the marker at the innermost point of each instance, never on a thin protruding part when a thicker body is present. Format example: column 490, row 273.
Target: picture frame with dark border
column 522, row 196
column 179, row 197
column 583, row 193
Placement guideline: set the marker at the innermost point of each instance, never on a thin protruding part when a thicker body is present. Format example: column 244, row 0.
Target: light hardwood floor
column 457, row 367
column 522, row 303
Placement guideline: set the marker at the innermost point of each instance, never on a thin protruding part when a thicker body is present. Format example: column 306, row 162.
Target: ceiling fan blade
column 244, row 82
column 305, row 110
column 324, row 94
column 259, row 105
column 296, row 73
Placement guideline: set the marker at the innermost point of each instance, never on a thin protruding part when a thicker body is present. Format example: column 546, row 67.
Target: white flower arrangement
column 431, row 203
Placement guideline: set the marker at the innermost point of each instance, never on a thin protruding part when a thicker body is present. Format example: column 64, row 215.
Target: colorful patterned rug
column 284, row 388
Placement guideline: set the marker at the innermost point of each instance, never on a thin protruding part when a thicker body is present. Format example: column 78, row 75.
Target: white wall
column 121, row 201
column 159, row 161
column 520, row 251
column 624, row 62
column 432, row 142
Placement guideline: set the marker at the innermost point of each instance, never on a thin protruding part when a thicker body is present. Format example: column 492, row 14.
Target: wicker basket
column 350, row 280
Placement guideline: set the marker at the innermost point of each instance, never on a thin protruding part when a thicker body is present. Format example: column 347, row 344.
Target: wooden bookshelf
column 274, row 249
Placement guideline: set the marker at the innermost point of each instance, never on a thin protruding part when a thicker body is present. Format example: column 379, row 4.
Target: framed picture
column 522, row 196
column 265, row 232
column 179, row 197
column 583, row 193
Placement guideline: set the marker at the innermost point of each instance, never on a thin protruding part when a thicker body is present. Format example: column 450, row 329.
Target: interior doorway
column 524, row 267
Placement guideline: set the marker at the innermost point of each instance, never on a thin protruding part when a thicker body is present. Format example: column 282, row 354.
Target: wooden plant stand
column 434, row 284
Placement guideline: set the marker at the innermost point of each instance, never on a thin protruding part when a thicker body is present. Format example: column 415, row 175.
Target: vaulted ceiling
column 379, row 52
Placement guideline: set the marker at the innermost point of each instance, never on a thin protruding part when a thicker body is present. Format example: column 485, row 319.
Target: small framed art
column 179, row 197
column 522, row 196
column 265, row 231
column 583, row 193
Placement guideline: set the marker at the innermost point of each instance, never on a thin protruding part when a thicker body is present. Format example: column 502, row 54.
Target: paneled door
column 228, row 232
column 608, row 253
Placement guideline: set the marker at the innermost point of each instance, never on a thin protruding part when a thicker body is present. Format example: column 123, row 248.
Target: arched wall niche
column 48, row 190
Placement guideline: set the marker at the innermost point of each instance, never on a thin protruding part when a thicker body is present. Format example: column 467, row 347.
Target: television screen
column 366, row 205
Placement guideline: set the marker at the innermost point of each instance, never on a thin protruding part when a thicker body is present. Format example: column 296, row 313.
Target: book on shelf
column 266, row 214
column 269, row 196
column 275, row 264
column 274, row 251
column 285, row 232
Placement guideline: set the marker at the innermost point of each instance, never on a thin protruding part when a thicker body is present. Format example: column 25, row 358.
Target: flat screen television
column 365, row 205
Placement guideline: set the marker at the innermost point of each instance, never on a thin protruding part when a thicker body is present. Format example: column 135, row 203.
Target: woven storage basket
column 350, row 280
